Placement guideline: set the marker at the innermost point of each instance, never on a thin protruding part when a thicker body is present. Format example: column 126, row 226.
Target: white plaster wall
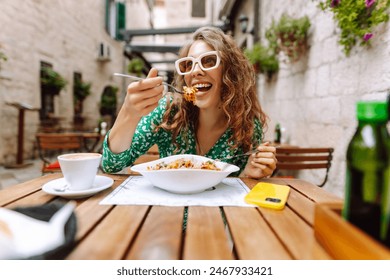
column 314, row 98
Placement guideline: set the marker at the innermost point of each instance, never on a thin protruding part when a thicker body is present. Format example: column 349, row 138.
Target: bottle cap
column 372, row 111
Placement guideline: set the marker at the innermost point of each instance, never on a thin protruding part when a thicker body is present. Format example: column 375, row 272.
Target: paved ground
column 13, row 176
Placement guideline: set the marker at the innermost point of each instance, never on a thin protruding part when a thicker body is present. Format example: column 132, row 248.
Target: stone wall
column 314, row 98
column 65, row 34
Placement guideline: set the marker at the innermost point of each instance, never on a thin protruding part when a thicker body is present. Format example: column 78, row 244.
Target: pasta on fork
column 189, row 93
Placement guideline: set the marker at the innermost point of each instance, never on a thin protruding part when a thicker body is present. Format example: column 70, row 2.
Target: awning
column 137, row 49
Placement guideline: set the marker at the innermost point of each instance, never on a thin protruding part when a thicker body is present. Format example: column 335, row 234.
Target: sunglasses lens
column 209, row 61
column 185, row 66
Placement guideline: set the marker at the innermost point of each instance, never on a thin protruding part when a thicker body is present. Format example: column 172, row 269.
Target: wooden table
column 155, row 232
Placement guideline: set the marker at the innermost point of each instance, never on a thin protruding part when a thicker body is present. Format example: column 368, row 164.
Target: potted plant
column 263, row 59
column 291, row 35
column 108, row 101
column 80, row 91
column 51, row 81
column 357, row 19
column 135, row 66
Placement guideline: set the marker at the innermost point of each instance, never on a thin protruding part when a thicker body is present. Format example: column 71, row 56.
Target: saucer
column 100, row 183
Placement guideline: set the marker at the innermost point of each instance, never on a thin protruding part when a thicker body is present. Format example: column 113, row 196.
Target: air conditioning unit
column 104, row 52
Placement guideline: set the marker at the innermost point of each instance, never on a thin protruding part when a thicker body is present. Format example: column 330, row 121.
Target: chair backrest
column 50, row 145
column 59, row 141
column 304, row 158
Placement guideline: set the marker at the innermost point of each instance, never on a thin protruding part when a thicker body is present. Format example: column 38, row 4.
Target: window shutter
column 107, row 16
column 120, row 20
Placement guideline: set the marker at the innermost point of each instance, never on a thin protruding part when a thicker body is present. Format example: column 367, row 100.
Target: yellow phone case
column 268, row 195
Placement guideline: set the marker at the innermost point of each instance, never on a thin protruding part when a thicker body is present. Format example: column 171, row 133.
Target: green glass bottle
column 385, row 221
column 367, row 160
column 278, row 134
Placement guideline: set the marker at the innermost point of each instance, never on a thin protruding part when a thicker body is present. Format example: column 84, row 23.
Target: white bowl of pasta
column 185, row 174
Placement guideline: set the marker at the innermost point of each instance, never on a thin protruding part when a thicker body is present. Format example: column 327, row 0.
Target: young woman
column 225, row 119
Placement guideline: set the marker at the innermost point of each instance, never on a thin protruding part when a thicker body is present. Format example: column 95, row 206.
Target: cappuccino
column 80, row 169
column 80, row 156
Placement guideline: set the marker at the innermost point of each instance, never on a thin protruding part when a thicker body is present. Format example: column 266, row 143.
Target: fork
column 135, row 78
column 241, row 155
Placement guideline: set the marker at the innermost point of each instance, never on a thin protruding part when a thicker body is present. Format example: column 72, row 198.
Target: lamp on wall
column 243, row 19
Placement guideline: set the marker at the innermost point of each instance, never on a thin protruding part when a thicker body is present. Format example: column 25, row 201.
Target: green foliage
column 52, row 79
column 356, row 19
column 136, row 66
column 272, row 38
column 295, row 28
column 3, row 56
column 108, row 101
column 81, row 89
column 264, row 59
column 290, row 35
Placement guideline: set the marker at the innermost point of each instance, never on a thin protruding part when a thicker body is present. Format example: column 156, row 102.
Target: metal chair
column 50, row 145
column 304, row 158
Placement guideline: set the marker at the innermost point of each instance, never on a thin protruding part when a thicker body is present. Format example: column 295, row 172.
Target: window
column 115, row 19
column 47, row 97
column 198, row 8
column 78, row 109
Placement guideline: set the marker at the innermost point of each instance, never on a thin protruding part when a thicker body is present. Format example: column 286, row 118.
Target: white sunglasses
column 206, row 62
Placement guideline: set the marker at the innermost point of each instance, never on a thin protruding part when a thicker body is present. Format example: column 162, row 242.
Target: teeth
column 202, row 85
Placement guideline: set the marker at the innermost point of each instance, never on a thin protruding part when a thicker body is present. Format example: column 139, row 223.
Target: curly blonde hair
column 239, row 97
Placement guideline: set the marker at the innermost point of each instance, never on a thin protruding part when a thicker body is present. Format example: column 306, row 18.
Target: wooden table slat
column 303, row 206
column 89, row 213
column 205, row 235
column 16, row 192
column 311, row 191
column 160, row 236
column 300, row 240
column 110, row 239
column 260, row 241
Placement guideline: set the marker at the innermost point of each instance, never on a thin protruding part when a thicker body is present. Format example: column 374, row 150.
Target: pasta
column 189, row 93
column 184, row 163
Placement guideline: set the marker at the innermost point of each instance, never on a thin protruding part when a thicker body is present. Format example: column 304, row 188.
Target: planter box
column 341, row 239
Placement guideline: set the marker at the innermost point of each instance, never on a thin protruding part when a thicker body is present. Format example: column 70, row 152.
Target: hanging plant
column 291, row 34
column 136, row 65
column 51, row 81
column 357, row 19
column 263, row 59
column 81, row 89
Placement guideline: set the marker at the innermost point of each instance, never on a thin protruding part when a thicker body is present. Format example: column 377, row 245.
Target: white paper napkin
column 137, row 190
column 22, row 237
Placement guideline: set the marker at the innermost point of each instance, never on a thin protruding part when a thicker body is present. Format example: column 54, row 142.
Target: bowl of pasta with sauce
column 185, row 174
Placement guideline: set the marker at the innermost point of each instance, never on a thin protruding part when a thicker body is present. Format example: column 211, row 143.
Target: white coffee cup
column 79, row 169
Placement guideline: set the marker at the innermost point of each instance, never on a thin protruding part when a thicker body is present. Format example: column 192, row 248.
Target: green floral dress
column 145, row 137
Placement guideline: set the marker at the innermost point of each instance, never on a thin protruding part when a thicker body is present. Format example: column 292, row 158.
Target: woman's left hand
column 261, row 163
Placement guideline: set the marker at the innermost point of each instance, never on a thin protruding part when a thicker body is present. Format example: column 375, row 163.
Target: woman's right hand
column 143, row 96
